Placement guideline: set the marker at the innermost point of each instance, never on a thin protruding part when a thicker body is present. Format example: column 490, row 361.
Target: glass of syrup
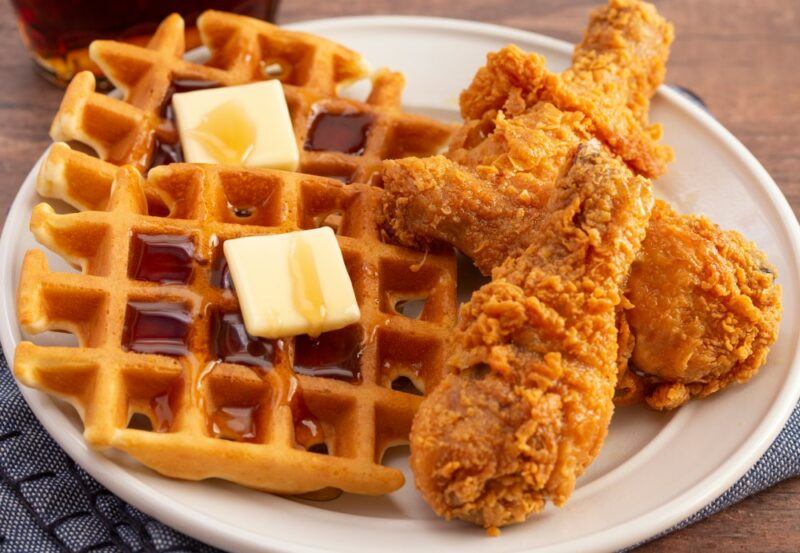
column 58, row 32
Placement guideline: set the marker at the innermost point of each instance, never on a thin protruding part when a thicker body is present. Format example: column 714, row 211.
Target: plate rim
column 221, row 534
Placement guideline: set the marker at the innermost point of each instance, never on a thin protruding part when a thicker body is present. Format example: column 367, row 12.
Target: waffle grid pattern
column 110, row 385
column 126, row 131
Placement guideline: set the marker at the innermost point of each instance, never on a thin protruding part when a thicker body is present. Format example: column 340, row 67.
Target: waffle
column 139, row 130
column 261, row 415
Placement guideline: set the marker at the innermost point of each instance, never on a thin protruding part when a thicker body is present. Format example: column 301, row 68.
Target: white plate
column 654, row 469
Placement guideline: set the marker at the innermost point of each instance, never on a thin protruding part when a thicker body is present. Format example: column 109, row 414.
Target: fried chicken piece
column 522, row 122
column 622, row 57
column 500, row 182
column 534, row 356
column 486, row 196
column 615, row 70
column 620, row 61
column 706, row 308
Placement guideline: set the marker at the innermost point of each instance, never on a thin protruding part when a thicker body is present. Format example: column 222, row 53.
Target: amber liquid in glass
column 58, row 32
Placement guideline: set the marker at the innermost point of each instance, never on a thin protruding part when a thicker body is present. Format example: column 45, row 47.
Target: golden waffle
column 138, row 130
column 259, row 414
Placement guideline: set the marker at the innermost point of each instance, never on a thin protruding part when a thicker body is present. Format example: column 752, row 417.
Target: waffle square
column 164, row 369
column 138, row 129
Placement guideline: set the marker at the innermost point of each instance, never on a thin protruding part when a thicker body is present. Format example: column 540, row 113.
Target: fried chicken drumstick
column 534, row 356
column 688, row 336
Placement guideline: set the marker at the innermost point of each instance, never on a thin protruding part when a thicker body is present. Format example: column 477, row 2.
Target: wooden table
column 739, row 56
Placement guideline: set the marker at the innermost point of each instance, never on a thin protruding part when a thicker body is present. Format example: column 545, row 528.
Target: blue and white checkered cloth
column 48, row 503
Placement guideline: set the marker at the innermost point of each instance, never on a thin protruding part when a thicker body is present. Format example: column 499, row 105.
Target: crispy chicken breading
column 615, row 70
column 706, row 308
column 485, row 197
column 503, row 180
column 521, row 122
column 534, row 356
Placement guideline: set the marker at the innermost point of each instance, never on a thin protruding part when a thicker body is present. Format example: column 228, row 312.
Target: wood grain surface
column 742, row 57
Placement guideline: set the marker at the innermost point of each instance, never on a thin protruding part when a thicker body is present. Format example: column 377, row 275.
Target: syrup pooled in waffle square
column 161, row 338
column 336, row 137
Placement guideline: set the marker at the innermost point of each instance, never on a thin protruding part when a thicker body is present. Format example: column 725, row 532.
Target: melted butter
column 274, row 318
column 307, row 292
column 227, row 133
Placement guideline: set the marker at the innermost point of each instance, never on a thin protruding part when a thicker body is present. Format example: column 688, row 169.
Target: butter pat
column 237, row 125
column 291, row 284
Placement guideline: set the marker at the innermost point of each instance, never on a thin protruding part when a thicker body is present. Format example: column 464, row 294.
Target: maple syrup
column 140, row 421
column 308, row 432
column 260, row 208
column 242, row 212
column 231, row 343
column 179, row 86
column 333, row 354
column 157, row 209
column 307, row 292
column 156, row 327
column 274, row 69
column 162, row 411
column 166, row 153
column 227, row 133
column 339, row 132
column 405, row 385
column 167, row 147
column 333, row 219
column 235, row 423
column 220, row 273
column 162, row 258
